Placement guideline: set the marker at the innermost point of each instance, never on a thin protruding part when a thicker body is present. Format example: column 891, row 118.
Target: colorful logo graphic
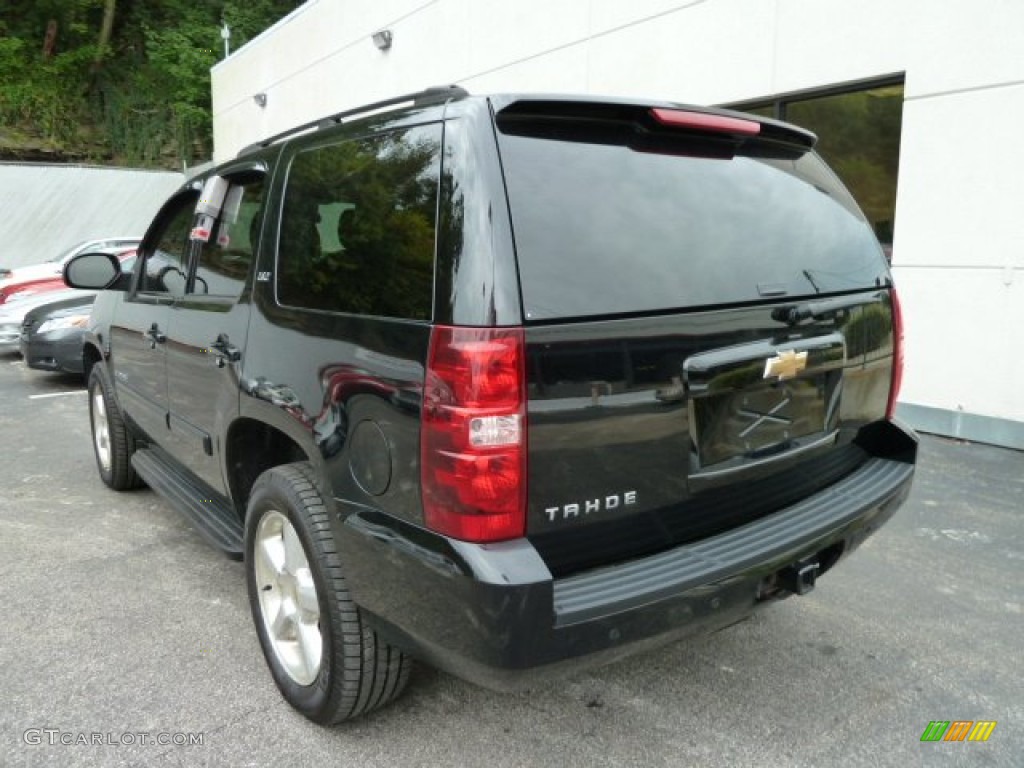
column 958, row 730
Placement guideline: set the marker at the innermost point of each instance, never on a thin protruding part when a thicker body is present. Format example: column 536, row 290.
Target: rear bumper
column 493, row 614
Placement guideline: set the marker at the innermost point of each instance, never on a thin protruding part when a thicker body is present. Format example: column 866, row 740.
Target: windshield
column 93, row 245
column 604, row 229
column 66, row 255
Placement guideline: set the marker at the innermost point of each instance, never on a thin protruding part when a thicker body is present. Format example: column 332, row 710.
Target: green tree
column 125, row 82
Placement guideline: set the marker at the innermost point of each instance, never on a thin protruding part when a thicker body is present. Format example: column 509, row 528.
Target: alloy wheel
column 101, row 428
column 288, row 599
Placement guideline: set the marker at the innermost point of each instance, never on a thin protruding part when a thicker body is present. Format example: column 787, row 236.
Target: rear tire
column 112, row 443
column 326, row 661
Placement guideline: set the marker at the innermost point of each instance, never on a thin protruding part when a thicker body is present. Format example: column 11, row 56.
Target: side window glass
column 358, row 226
column 165, row 264
column 224, row 260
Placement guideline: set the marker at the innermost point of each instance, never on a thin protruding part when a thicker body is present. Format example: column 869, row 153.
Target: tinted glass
column 859, row 136
column 358, row 225
column 603, row 229
column 224, row 260
column 165, row 267
column 764, row 110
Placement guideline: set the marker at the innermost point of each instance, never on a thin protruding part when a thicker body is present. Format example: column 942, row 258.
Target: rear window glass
column 604, row 229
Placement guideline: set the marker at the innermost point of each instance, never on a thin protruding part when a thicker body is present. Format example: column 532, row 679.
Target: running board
column 207, row 510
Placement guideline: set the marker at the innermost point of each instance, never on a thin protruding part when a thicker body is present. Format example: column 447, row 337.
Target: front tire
column 112, row 443
column 327, row 663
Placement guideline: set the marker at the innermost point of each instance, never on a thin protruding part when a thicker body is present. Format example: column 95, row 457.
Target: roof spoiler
column 640, row 126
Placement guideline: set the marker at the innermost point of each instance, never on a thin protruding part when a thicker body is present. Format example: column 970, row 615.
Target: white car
column 52, row 267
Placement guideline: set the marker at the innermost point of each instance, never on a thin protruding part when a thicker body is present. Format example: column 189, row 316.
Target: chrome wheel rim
column 288, row 600
column 101, row 429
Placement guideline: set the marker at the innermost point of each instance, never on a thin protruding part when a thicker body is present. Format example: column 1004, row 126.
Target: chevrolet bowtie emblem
column 785, row 365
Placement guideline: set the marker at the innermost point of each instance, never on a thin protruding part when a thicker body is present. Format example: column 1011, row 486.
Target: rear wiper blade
column 797, row 313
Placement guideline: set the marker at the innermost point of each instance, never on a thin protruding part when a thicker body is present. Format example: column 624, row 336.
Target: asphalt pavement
column 121, row 628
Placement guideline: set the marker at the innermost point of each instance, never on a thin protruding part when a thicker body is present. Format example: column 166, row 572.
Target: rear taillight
column 897, row 354
column 473, row 440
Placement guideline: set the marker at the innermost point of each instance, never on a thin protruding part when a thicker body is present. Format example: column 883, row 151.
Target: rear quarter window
column 358, row 225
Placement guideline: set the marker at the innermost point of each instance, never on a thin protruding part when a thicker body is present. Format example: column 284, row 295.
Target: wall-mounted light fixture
column 382, row 39
column 260, row 99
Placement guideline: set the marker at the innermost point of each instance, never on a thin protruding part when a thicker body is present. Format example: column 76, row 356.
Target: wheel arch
column 90, row 356
column 251, row 448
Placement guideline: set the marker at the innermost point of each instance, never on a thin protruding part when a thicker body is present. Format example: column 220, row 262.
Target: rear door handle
column 155, row 336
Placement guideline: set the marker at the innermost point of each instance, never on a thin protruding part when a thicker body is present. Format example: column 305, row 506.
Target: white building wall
column 50, row 208
column 959, row 245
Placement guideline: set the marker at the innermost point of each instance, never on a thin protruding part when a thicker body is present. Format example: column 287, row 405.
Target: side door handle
column 224, row 351
column 155, row 336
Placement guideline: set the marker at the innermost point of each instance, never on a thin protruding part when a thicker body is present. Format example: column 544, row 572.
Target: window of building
column 358, row 225
column 858, row 132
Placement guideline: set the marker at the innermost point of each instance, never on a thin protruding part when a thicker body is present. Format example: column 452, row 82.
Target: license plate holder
column 754, row 423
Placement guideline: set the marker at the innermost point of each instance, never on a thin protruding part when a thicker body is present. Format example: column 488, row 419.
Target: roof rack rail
column 433, row 95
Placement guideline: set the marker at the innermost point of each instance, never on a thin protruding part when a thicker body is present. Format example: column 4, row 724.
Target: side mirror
column 95, row 271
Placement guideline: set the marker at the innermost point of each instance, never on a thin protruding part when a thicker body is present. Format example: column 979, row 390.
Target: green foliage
column 379, row 194
column 49, row 94
column 143, row 99
column 868, row 331
column 15, row 90
column 860, row 138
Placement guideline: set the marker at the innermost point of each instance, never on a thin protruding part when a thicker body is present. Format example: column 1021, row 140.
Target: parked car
column 506, row 384
column 12, row 314
column 51, row 334
column 53, row 266
column 21, row 289
column 19, row 286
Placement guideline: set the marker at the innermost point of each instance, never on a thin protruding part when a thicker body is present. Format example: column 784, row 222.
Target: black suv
column 505, row 383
